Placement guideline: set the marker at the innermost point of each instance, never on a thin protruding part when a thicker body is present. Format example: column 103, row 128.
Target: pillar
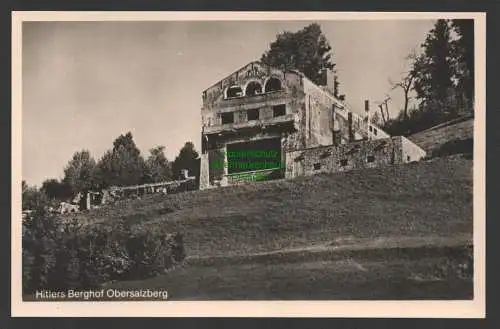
column 88, row 203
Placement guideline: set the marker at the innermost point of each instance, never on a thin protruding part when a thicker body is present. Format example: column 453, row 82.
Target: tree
column 442, row 77
column 463, row 55
column 78, row 174
column 157, row 166
column 33, row 198
column 306, row 50
column 406, row 83
column 187, row 159
column 54, row 189
column 434, row 69
column 123, row 165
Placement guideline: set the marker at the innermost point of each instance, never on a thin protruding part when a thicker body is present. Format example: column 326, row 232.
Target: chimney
column 349, row 126
column 324, row 77
column 367, row 119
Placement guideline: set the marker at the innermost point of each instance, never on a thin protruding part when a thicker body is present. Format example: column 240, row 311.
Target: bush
column 62, row 255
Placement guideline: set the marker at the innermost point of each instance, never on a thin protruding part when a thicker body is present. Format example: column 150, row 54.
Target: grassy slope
column 422, row 199
column 377, row 274
column 318, row 215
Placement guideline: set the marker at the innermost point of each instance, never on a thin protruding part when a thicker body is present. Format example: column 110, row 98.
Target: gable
column 254, row 72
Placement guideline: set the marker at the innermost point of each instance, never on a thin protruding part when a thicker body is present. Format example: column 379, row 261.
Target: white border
column 361, row 309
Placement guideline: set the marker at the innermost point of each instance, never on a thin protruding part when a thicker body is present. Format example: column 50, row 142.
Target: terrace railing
column 254, row 176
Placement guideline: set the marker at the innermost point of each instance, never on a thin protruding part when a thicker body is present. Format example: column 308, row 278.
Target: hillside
column 426, row 199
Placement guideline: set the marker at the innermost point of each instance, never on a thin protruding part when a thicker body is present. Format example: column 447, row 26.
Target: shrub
column 62, row 255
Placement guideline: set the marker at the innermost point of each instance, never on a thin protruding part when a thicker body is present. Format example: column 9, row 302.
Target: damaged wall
column 312, row 118
column 318, row 125
column 356, row 155
column 411, row 151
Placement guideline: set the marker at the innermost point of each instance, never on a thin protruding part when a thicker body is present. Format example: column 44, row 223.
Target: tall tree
column 187, row 159
column 123, row 165
column 406, row 83
column 78, row 174
column 54, row 189
column 33, row 198
column 463, row 53
column 158, row 167
column 306, row 50
column 434, row 68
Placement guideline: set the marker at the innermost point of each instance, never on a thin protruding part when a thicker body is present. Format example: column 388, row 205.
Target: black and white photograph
column 301, row 159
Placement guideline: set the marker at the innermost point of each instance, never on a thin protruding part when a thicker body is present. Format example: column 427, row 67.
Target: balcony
column 253, row 100
column 290, row 120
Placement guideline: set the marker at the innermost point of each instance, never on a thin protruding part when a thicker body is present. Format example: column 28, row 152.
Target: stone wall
column 356, row 155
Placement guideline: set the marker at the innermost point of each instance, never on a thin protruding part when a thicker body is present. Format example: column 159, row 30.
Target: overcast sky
column 85, row 83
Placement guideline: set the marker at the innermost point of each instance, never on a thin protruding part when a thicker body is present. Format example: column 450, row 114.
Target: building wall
column 387, row 151
column 411, row 151
column 204, row 166
column 215, row 103
column 318, row 124
column 319, row 120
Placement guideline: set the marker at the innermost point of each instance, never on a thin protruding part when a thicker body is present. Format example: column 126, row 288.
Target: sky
column 85, row 83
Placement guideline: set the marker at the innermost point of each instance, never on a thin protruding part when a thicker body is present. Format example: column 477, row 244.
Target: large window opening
column 253, row 114
column 253, row 88
column 273, row 84
column 234, row 91
column 279, row 110
column 227, row 117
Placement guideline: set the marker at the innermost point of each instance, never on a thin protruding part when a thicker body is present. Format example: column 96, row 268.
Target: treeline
column 122, row 165
column 441, row 78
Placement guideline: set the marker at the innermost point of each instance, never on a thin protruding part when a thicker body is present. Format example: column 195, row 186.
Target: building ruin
column 261, row 108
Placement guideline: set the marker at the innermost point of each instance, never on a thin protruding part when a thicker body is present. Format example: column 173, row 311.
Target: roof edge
column 254, row 62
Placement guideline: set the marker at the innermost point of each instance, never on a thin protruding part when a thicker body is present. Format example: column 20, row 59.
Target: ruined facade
column 260, row 108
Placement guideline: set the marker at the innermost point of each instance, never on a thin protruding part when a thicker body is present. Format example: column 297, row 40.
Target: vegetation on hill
column 441, row 76
column 400, row 232
column 122, row 165
column 68, row 255
column 421, row 199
